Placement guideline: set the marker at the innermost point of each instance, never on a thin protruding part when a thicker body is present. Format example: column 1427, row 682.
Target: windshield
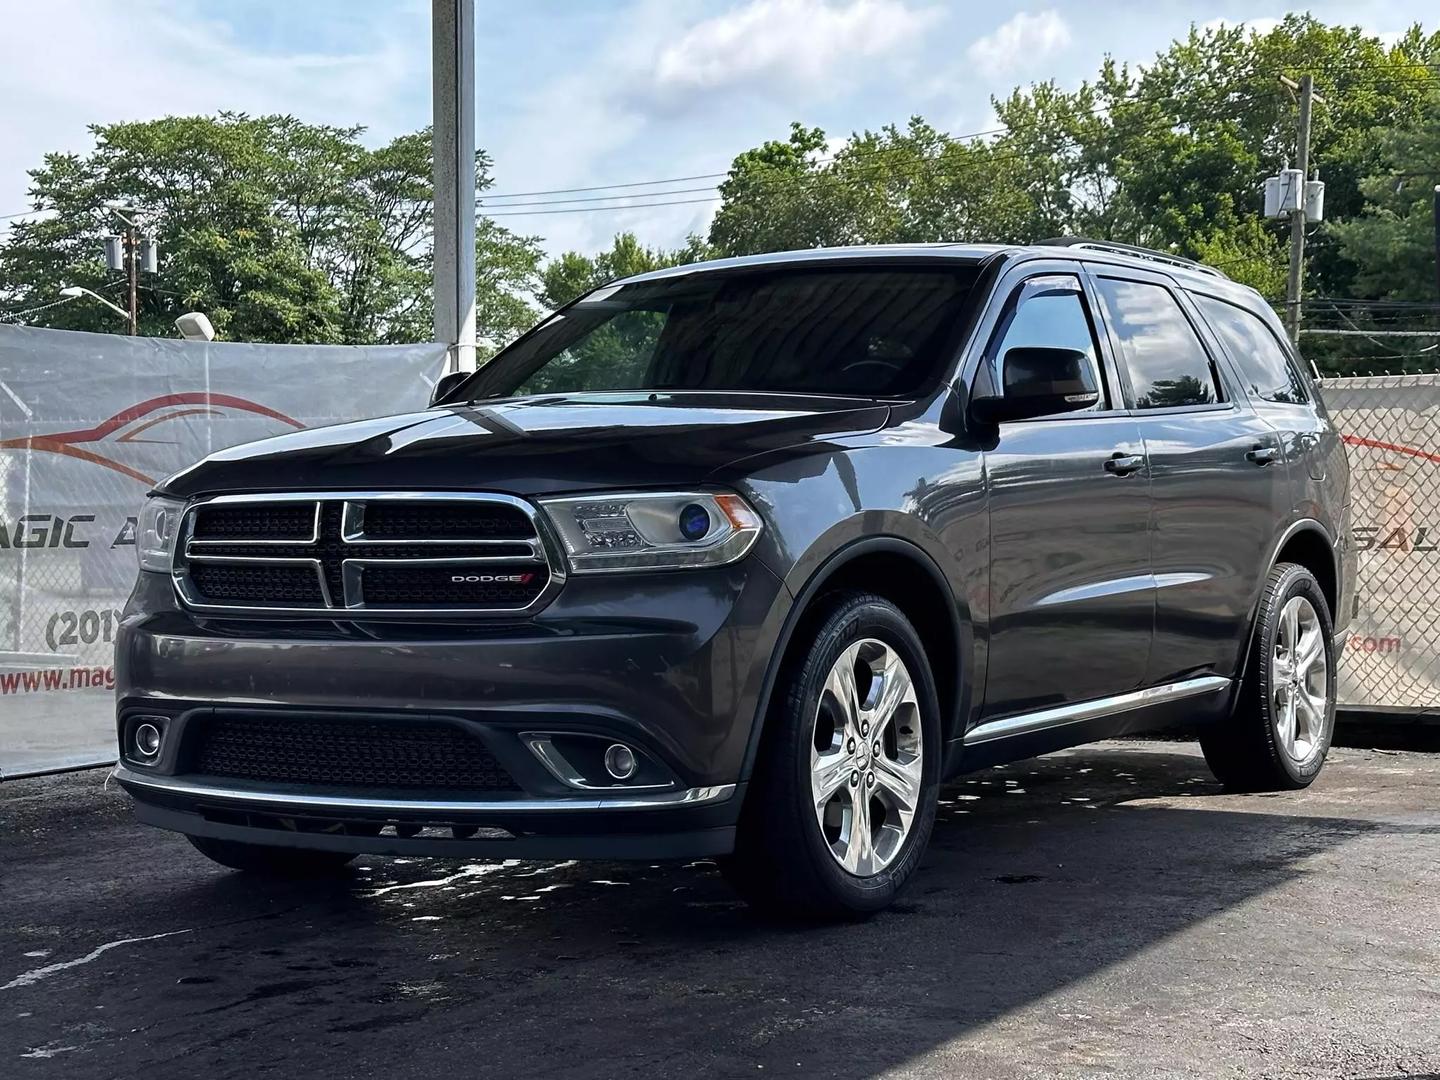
column 867, row 333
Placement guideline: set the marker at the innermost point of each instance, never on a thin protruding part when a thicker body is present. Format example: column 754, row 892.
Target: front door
column 1071, row 599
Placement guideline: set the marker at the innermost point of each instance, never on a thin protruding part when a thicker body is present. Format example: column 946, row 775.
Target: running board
column 1028, row 723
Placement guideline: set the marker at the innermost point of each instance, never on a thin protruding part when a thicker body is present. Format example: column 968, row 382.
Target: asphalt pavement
column 1104, row 912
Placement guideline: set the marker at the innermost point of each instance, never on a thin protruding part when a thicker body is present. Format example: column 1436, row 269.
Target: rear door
column 1269, row 373
column 1218, row 475
column 1071, row 602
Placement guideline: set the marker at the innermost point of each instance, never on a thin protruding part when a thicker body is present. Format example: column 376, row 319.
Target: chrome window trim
column 174, row 785
column 1044, row 719
column 544, row 550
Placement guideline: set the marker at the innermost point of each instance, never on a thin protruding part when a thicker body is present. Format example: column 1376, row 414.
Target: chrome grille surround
column 540, row 550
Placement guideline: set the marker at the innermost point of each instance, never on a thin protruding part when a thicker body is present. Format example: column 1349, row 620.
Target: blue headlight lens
column 694, row 522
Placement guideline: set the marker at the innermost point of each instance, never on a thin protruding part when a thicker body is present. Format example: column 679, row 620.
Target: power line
column 924, row 161
column 826, row 159
column 782, row 181
column 594, row 209
column 1384, row 69
column 605, row 187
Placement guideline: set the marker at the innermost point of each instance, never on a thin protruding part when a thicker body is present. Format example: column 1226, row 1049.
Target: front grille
column 293, row 522
column 275, row 584
column 358, row 754
column 410, row 554
column 493, row 585
column 448, row 521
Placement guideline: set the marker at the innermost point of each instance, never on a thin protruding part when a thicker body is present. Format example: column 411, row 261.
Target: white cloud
column 1022, row 42
column 65, row 64
column 787, row 43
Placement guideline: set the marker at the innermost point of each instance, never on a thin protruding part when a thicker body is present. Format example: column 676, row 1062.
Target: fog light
column 147, row 741
column 620, row 762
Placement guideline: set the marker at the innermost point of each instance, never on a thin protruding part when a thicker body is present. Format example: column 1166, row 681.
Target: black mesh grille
column 276, row 584
column 279, row 522
column 367, row 754
column 445, row 521
column 482, row 585
column 398, row 574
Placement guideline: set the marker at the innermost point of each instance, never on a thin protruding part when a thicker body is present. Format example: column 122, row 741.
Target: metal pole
column 132, row 267
column 452, row 34
column 1296, row 279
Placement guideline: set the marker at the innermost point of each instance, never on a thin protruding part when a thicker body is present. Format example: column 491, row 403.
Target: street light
column 194, row 326
column 74, row 292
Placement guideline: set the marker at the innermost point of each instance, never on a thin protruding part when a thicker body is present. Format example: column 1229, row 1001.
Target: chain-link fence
column 1391, row 425
column 88, row 424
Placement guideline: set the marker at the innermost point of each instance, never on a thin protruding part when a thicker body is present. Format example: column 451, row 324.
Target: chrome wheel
column 1299, row 680
column 865, row 757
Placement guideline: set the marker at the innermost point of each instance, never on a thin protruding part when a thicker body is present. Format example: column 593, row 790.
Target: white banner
column 1391, row 424
column 88, row 423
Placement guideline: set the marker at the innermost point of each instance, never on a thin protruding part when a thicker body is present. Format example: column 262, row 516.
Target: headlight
column 155, row 535
column 653, row 532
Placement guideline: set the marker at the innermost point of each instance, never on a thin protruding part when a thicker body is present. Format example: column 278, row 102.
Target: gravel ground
column 1104, row 912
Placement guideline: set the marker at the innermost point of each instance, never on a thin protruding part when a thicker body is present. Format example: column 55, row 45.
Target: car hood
column 534, row 446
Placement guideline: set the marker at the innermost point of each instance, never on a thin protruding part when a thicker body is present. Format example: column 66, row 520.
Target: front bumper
column 691, row 823
column 669, row 664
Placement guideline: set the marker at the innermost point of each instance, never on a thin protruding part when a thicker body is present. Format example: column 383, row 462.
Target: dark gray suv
column 744, row 559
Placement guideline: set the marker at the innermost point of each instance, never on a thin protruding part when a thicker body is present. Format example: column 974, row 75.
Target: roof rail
column 1133, row 250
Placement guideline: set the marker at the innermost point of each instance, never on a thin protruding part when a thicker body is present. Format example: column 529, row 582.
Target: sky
column 578, row 93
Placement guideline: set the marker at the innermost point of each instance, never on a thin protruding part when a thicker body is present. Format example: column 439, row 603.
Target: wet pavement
column 1100, row 912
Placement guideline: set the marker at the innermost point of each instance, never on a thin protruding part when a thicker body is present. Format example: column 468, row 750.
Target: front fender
column 827, row 509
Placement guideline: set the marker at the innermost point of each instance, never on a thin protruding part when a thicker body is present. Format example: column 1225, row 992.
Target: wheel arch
column 909, row 577
column 1307, row 543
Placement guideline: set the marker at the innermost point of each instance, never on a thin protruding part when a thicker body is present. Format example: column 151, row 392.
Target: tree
column 1168, row 154
column 277, row 229
column 573, row 274
column 1392, row 241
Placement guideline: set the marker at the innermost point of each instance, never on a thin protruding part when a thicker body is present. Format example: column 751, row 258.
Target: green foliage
column 1168, row 155
column 1392, row 241
column 278, row 230
column 573, row 274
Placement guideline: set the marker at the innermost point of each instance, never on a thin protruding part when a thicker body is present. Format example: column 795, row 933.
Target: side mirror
column 1039, row 382
column 446, row 383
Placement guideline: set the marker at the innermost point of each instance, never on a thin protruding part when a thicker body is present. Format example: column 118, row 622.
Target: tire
column 1279, row 731
column 786, row 862
column 281, row 862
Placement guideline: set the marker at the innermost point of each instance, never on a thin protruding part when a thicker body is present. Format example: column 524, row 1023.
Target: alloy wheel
column 866, row 757
column 1299, row 679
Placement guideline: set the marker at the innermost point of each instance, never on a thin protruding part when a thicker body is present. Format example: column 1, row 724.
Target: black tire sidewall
column 1291, row 581
column 855, row 618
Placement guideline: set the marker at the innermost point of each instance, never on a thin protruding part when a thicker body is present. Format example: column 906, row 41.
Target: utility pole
column 132, row 268
column 452, row 29
column 131, row 253
column 1297, row 217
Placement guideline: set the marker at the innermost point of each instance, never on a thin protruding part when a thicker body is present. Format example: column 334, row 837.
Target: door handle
column 1263, row 455
column 1123, row 464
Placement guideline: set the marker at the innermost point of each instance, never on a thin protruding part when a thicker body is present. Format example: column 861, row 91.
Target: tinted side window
column 1259, row 356
column 1049, row 312
column 1168, row 365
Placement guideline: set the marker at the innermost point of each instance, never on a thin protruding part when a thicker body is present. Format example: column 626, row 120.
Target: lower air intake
column 358, row 755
